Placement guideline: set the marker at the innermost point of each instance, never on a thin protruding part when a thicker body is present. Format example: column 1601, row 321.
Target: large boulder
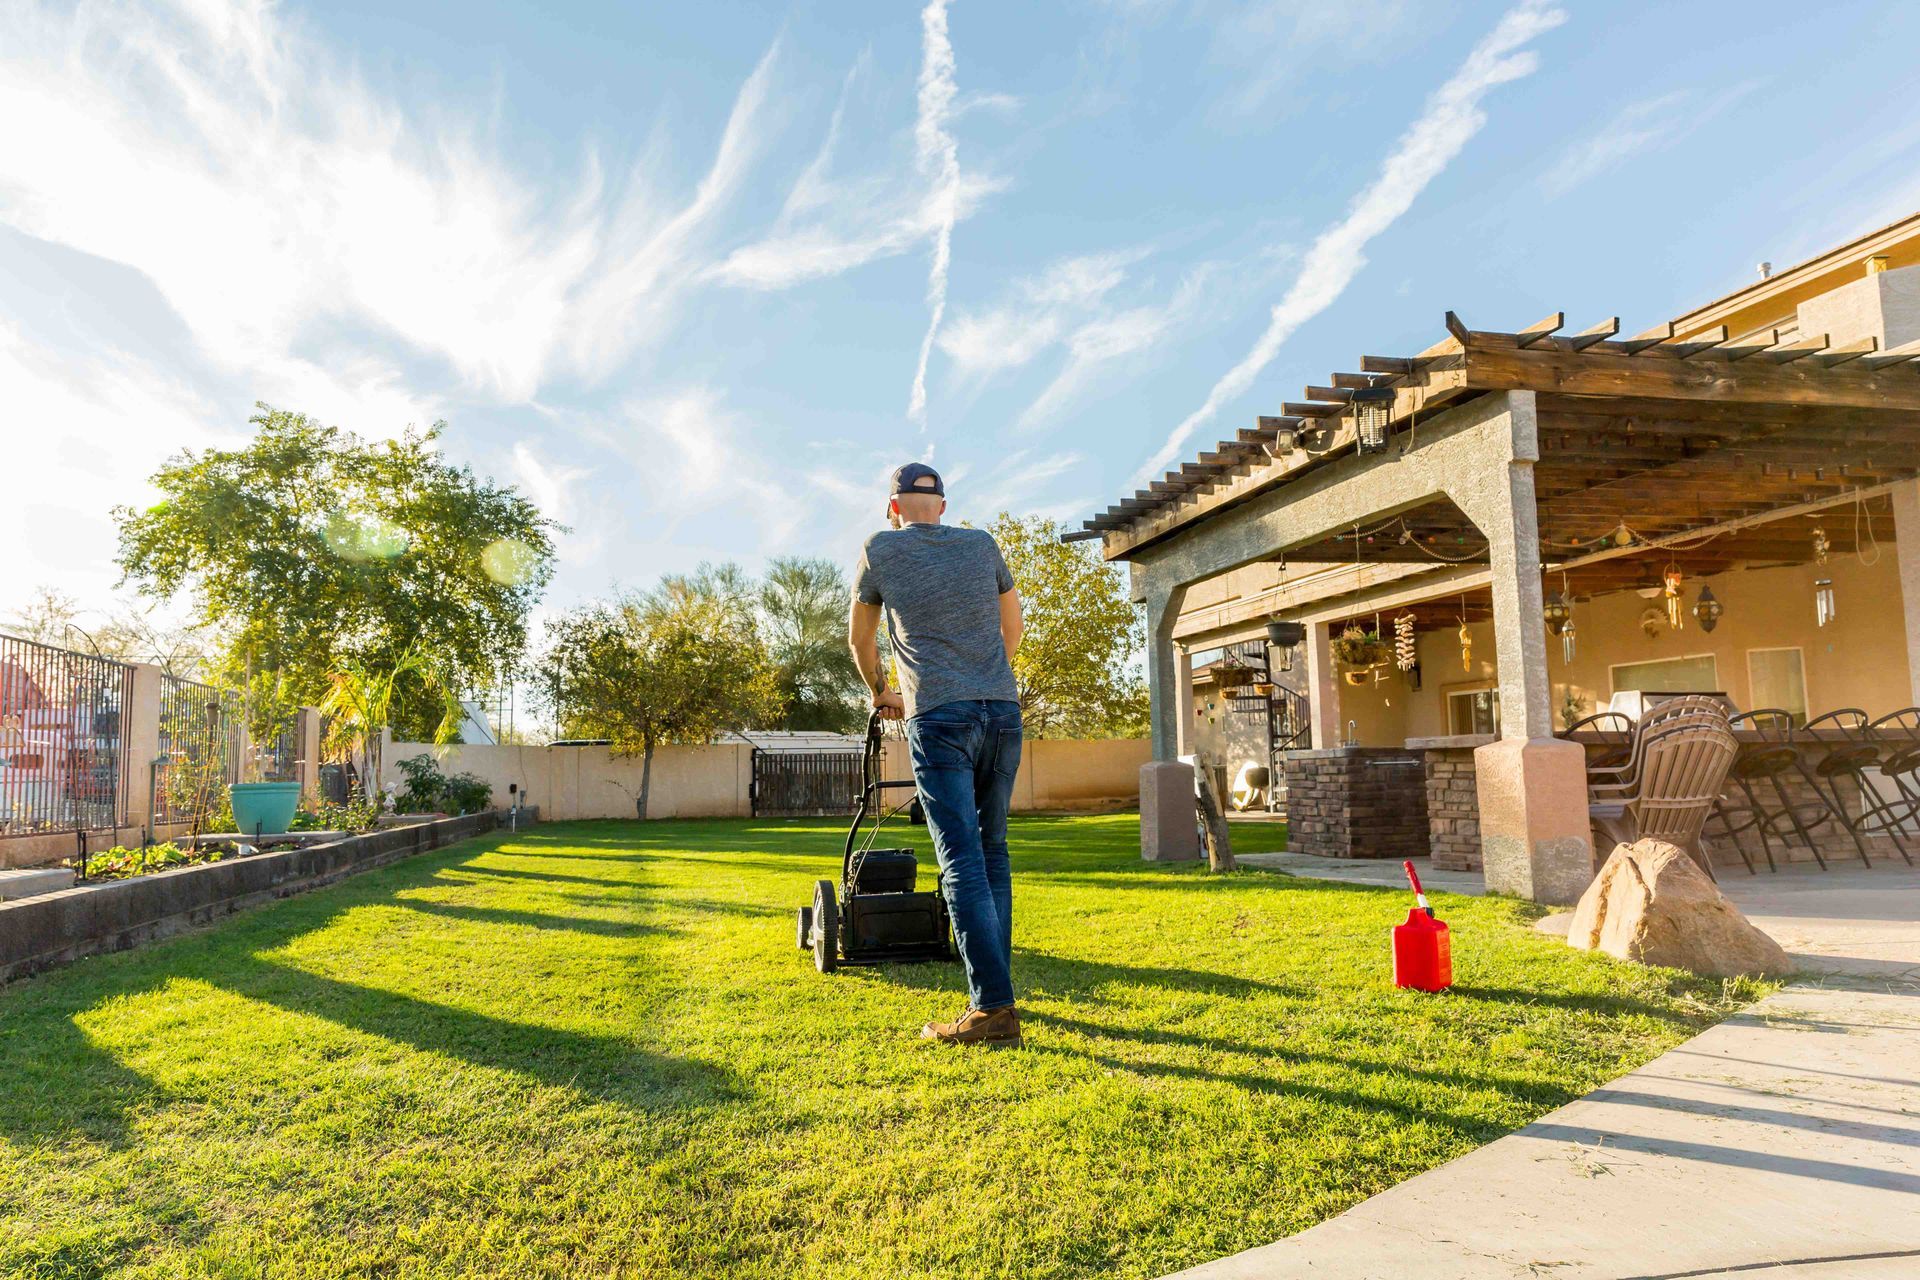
column 1653, row 904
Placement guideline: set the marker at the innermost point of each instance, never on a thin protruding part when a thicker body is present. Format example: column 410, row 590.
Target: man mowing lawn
column 953, row 618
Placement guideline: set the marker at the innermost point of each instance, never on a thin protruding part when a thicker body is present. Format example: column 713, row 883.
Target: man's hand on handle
column 889, row 704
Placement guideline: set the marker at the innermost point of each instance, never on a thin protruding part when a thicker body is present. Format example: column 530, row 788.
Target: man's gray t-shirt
column 941, row 586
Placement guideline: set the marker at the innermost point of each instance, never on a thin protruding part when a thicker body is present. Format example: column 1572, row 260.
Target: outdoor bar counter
column 1356, row 802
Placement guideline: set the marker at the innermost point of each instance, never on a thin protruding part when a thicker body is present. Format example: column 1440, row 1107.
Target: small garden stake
column 1422, row 956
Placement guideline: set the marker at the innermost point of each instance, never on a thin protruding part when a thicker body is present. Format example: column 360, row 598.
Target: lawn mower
column 878, row 914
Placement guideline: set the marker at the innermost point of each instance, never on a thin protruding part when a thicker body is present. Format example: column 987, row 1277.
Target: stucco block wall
column 715, row 781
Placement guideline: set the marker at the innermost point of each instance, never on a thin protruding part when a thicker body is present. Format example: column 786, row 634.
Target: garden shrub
column 427, row 790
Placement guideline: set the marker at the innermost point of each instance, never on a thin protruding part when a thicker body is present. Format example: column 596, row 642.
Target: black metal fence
column 280, row 754
column 63, row 758
column 199, row 750
column 805, row 784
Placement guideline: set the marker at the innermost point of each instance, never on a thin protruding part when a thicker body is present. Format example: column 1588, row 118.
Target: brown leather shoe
column 998, row 1027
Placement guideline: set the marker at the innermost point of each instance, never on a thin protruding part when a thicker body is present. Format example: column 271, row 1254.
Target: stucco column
column 1534, row 833
column 307, row 750
column 1906, row 541
column 140, row 740
column 1164, row 683
column 1323, row 687
column 1182, row 700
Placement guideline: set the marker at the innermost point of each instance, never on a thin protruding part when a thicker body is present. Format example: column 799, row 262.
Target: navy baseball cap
column 913, row 478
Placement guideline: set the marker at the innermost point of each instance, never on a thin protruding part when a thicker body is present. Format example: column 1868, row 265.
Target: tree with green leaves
column 803, row 606
column 1074, row 668
column 310, row 549
column 672, row 666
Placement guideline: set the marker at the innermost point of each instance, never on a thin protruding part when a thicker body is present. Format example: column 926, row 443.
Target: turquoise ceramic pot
column 265, row 807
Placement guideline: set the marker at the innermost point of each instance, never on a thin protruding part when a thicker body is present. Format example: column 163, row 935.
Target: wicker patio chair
column 1680, row 770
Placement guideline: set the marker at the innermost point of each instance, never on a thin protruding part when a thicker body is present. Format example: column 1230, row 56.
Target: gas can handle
column 1419, row 894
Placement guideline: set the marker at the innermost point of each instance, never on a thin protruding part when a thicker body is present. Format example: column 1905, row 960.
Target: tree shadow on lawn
column 61, row 1085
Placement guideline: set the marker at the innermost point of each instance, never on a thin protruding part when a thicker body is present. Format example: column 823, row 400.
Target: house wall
column 1857, row 660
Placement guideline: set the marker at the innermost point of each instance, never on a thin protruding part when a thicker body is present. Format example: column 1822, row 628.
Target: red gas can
column 1422, row 955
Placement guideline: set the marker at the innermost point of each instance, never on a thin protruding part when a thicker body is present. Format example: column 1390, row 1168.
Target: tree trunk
column 1219, row 844
column 646, row 779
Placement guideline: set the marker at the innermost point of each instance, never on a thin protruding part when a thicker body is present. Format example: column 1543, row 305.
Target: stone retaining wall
column 54, row 929
column 1357, row 802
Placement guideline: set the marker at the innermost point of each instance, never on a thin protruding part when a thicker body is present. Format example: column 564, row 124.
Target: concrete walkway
column 1784, row 1142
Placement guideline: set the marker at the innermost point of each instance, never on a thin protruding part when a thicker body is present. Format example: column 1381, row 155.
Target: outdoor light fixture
column 1707, row 609
column 1284, row 442
column 1823, row 610
column 1372, row 415
column 1558, row 613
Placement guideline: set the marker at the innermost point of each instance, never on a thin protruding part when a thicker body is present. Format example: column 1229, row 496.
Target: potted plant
column 261, row 807
column 1358, row 652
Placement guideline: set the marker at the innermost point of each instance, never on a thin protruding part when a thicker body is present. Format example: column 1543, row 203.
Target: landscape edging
column 54, row 929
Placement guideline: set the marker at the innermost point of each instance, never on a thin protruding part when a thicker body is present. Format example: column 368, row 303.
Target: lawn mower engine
column 878, row 913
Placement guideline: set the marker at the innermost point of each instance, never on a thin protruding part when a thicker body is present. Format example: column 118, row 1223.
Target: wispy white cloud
column 1451, row 118
column 1108, row 338
column 1650, row 124
column 939, row 158
column 271, row 196
column 1041, row 309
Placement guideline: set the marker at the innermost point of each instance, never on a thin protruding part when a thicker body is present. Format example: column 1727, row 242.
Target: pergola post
column 1906, row 542
column 1534, row 833
column 1323, row 690
column 1169, row 676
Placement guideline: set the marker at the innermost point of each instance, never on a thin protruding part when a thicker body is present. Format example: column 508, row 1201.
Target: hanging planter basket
column 1232, row 675
column 1358, row 653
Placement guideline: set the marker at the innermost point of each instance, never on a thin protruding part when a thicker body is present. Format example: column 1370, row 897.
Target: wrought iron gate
column 805, row 784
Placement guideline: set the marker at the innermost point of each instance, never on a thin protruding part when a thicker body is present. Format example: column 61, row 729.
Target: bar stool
column 1901, row 763
column 1850, row 758
column 1768, row 760
column 1611, row 760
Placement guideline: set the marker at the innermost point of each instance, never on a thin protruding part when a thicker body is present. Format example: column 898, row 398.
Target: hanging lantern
column 1559, row 613
column 1622, row 536
column 1820, row 545
column 1372, row 416
column 1670, row 588
column 1823, row 609
column 1707, row 609
column 1404, row 654
column 1566, row 643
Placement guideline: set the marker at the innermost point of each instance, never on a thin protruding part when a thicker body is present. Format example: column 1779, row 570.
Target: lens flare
column 508, row 561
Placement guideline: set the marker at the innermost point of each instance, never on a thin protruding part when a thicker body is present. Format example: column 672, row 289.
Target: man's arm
column 863, row 637
column 1012, row 624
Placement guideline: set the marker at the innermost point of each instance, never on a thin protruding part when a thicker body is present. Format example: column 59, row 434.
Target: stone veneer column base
column 1535, row 840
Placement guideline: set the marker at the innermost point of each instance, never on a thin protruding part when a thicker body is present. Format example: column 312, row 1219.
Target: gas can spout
column 1419, row 894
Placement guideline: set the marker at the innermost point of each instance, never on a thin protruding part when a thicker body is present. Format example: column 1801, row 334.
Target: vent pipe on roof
column 1766, row 270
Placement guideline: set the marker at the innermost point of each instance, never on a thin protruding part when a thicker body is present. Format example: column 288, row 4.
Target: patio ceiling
column 1664, row 437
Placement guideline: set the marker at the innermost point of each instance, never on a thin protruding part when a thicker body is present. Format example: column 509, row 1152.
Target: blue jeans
column 965, row 756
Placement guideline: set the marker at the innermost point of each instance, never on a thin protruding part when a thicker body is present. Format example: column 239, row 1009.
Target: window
column 1778, row 678
column 1696, row 673
column 1473, row 711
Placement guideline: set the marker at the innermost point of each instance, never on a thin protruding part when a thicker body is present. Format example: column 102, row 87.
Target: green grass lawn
column 593, row 1050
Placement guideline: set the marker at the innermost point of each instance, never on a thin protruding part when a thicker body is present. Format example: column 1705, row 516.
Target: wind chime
column 1559, row 616
column 1823, row 603
column 1466, row 639
column 1670, row 588
column 1404, row 656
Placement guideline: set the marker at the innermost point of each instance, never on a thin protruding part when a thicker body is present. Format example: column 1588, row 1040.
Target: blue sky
column 675, row 268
